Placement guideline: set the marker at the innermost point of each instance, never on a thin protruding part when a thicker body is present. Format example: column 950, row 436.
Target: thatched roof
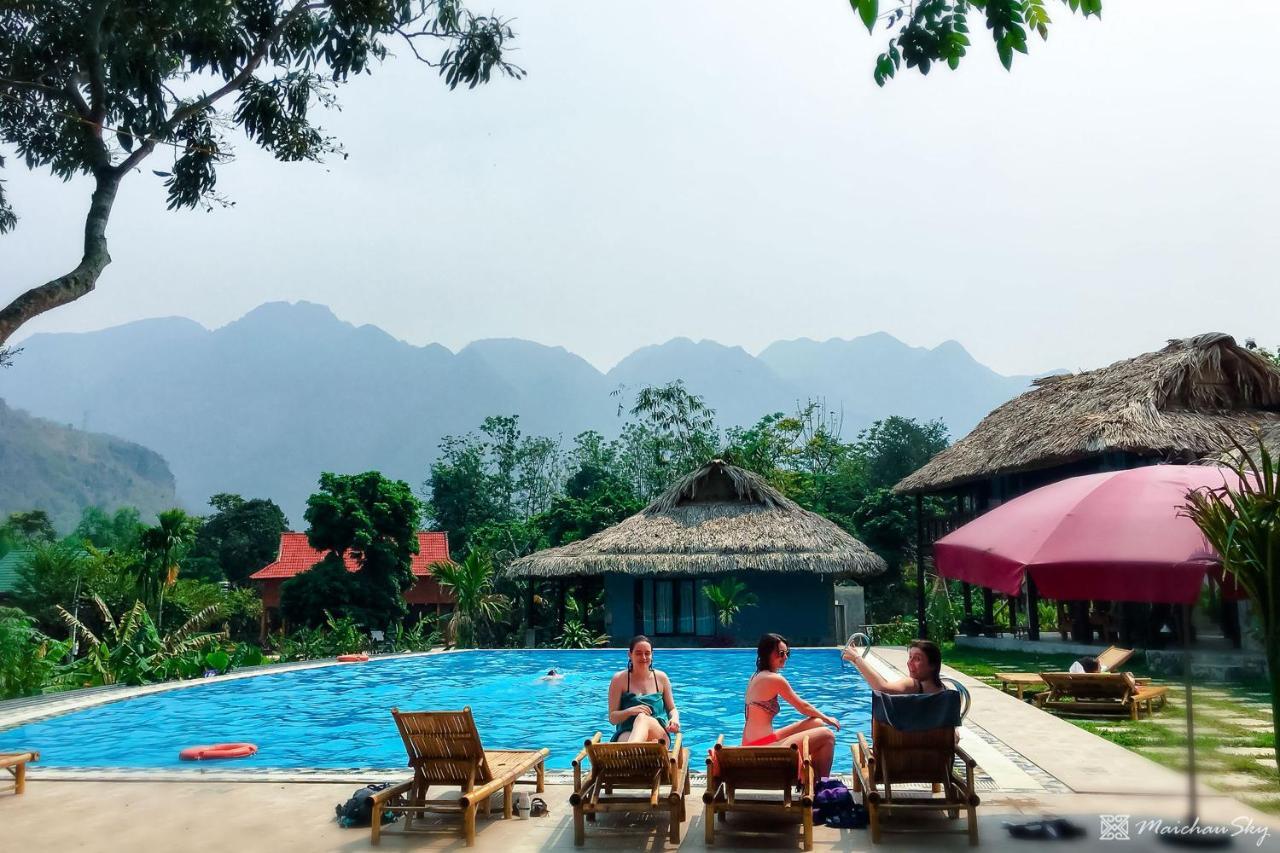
column 718, row 519
column 1174, row 404
column 1267, row 436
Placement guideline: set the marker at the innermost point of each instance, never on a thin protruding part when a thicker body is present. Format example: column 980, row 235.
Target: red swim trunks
column 770, row 738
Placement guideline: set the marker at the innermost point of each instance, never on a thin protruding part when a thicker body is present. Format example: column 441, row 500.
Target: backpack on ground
column 358, row 810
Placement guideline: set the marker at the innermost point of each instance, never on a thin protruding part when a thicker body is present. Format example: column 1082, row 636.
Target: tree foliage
column 1242, row 522
column 307, row 599
column 164, row 547
column 375, row 521
column 94, row 88
column 927, row 32
column 241, row 537
column 728, row 598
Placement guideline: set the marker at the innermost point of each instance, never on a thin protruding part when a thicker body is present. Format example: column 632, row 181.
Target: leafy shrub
column 327, row 587
column 28, row 659
column 898, row 631
column 421, row 637
column 240, row 609
column 578, row 636
column 338, row 636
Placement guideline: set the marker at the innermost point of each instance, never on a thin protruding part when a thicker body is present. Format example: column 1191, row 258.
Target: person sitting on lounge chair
column 641, row 705
column 1086, row 664
column 761, row 706
column 924, row 664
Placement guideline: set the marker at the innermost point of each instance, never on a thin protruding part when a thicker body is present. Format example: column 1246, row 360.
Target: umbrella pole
column 1200, row 836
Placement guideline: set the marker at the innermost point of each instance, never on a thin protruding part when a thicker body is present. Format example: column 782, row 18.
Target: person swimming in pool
column 641, row 705
column 551, row 675
column 761, row 706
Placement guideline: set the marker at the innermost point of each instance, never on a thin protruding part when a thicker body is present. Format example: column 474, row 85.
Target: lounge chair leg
column 709, row 824
column 973, row 827
column 673, row 828
column 808, row 829
column 376, row 824
column 873, row 815
column 506, row 801
column 469, row 825
column 541, row 777
column 20, row 778
column 579, row 827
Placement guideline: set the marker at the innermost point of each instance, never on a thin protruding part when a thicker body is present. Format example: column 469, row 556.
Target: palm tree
column 471, row 584
column 164, row 546
column 728, row 598
column 1243, row 525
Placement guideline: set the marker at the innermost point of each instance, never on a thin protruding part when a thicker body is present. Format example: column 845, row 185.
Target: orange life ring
column 357, row 658
column 218, row 750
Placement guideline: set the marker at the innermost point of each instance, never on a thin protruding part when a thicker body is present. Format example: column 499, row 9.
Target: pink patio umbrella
column 1117, row 536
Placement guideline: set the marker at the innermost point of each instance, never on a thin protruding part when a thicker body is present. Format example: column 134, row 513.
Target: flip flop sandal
column 538, row 807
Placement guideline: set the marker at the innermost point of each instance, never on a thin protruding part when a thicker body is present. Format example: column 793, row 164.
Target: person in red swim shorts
column 763, row 692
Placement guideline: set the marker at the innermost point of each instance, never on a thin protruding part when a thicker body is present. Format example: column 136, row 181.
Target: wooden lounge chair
column 629, row 766
column 1114, row 657
column 1098, row 693
column 731, row 769
column 16, row 764
column 901, row 758
column 444, row 749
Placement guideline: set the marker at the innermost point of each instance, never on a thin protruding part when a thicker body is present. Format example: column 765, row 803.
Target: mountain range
column 264, row 404
column 44, row 465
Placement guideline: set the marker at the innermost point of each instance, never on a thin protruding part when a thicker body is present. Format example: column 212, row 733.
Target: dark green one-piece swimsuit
column 630, row 700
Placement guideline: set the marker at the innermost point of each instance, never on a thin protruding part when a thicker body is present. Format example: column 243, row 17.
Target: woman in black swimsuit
column 924, row 666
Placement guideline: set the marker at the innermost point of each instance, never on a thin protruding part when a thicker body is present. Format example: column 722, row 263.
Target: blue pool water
column 338, row 717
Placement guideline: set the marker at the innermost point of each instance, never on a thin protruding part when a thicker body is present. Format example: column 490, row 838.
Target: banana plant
column 131, row 650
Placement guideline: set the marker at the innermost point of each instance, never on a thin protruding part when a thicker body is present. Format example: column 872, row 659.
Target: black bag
column 358, row 811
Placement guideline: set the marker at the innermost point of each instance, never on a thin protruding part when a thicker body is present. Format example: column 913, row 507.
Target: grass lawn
column 1234, row 741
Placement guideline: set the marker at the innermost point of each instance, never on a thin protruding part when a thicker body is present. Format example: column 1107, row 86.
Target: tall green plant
column 471, row 584
column 164, row 546
column 728, row 598
column 28, row 658
column 131, row 649
column 1242, row 522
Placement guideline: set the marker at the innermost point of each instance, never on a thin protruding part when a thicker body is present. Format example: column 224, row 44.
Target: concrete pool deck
column 1033, row 764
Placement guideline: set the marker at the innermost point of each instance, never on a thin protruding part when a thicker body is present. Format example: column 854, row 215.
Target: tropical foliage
column 470, row 582
column 1242, row 522
column 28, row 659
column 728, row 598
column 131, row 650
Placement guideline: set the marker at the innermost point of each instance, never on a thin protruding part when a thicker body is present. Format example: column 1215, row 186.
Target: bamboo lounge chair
column 444, row 749
column 903, row 757
column 1113, row 657
column 16, row 764
column 731, row 769
column 630, row 766
column 1099, row 693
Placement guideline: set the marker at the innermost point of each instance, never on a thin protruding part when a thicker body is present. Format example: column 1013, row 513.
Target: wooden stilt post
column 1033, row 610
column 921, row 617
column 988, row 612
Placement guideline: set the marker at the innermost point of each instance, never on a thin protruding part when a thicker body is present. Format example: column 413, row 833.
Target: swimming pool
column 337, row 718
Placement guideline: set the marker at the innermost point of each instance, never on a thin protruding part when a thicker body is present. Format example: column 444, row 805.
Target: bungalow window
column 706, row 618
column 665, row 620
column 678, row 607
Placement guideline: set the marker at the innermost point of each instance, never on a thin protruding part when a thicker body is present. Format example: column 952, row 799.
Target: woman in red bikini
column 762, row 706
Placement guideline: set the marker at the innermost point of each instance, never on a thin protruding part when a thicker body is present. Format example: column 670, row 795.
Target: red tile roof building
column 297, row 556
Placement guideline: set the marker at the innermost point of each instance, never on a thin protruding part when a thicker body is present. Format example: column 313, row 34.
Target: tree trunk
column 81, row 280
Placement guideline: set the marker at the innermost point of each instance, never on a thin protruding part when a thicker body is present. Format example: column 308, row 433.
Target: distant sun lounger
column 16, row 764
column 1099, row 693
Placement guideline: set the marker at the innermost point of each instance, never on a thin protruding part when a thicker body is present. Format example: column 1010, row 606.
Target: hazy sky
column 728, row 170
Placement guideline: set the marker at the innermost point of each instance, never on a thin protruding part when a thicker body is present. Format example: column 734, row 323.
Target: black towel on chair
column 914, row 712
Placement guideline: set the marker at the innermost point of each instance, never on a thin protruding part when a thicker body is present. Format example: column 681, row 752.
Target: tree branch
column 81, row 280
column 236, row 82
column 46, row 89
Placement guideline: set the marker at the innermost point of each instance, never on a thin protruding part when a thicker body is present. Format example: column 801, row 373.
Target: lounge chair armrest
column 581, row 756
column 675, row 747
column 966, row 758
column 389, row 793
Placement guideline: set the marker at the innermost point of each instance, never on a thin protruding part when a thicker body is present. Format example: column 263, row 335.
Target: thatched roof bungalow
column 718, row 521
column 1173, row 405
column 1177, row 404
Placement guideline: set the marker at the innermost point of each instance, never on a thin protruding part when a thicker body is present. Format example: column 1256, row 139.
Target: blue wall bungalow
column 719, row 521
